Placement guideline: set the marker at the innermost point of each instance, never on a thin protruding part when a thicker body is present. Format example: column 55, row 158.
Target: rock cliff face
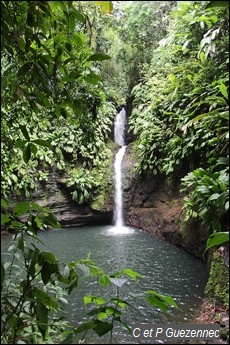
column 155, row 205
column 55, row 195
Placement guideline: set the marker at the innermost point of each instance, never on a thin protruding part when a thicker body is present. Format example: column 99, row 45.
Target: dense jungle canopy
column 66, row 68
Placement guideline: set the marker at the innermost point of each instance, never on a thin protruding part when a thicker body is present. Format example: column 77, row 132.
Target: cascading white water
column 119, row 139
column 119, row 128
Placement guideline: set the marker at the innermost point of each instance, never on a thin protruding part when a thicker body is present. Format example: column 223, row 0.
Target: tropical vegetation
column 182, row 100
column 66, row 66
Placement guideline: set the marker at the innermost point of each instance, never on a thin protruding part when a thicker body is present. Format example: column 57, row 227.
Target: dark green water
column 166, row 269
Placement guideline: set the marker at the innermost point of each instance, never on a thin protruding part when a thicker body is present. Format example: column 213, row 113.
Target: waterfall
column 119, row 129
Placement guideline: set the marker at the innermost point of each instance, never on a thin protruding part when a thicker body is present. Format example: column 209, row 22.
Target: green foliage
column 182, row 100
column 47, row 124
column 208, row 196
column 86, row 185
column 83, row 183
column 180, row 116
column 141, row 24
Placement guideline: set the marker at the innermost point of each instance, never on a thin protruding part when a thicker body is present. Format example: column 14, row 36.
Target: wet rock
column 155, row 205
column 55, row 195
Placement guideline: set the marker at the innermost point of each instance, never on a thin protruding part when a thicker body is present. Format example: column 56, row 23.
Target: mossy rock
column 218, row 283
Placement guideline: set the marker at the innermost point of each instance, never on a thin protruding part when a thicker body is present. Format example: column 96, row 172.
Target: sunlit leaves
column 57, row 5
column 106, row 6
column 223, row 90
column 104, row 280
column 93, row 299
column 134, row 275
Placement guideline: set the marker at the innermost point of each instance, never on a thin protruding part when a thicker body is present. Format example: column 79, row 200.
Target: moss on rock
column 218, row 283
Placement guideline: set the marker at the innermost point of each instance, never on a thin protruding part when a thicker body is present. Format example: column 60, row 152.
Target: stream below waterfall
column 166, row 269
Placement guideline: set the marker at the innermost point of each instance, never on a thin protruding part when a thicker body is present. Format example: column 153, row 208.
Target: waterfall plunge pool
column 166, row 269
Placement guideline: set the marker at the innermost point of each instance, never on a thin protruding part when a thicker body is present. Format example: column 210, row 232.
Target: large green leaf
column 99, row 57
column 25, row 132
column 33, row 148
column 217, row 239
column 21, row 208
column 5, row 218
column 85, row 327
column 25, row 68
column 134, row 275
column 41, row 313
column 104, row 280
column 217, row 4
column 4, row 203
column 52, row 221
column 102, row 327
column 57, row 6
column 20, row 143
column 46, row 256
column 42, row 142
column 77, row 39
column 26, row 154
column 46, row 272
column 45, row 299
column 94, row 299
column 157, row 300
column 223, row 90
column 78, row 16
